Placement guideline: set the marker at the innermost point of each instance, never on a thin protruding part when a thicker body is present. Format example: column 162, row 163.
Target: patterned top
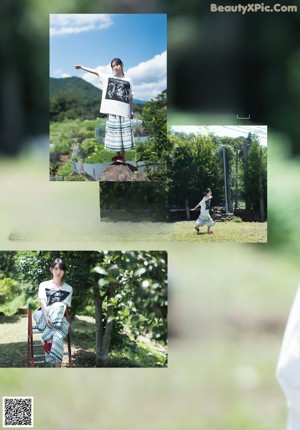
column 52, row 293
column 205, row 205
column 116, row 95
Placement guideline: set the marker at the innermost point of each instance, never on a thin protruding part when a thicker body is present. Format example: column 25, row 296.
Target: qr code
column 18, row 412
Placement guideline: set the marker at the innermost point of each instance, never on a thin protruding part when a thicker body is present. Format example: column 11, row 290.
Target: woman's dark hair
column 206, row 191
column 60, row 262
column 118, row 61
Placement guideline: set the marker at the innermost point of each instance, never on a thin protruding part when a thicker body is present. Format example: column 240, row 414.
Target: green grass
column 240, row 232
column 131, row 353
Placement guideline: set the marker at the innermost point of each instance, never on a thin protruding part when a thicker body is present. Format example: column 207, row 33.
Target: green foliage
column 154, row 122
column 192, row 167
column 101, row 155
column 65, row 169
column 7, row 265
column 237, row 219
column 35, row 267
column 140, row 279
column 135, row 353
column 255, row 175
column 9, row 288
column 141, row 295
column 11, row 307
column 197, row 162
column 72, row 98
column 80, row 141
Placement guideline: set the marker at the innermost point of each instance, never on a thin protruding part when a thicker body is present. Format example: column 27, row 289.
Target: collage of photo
column 149, row 231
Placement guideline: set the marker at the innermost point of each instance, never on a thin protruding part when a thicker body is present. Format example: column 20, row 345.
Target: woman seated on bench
column 54, row 296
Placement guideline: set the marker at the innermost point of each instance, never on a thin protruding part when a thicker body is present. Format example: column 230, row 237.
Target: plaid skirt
column 118, row 133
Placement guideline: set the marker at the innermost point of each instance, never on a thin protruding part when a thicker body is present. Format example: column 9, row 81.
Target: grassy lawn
column 139, row 353
column 241, row 232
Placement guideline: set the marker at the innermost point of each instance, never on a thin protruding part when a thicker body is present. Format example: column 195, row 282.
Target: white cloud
column 61, row 24
column 151, row 70
column 149, row 78
column 65, row 75
column 93, row 79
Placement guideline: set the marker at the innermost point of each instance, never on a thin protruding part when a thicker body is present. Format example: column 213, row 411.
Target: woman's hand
column 48, row 323
column 77, row 66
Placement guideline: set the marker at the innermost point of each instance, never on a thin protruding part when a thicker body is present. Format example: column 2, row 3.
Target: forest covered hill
column 74, row 97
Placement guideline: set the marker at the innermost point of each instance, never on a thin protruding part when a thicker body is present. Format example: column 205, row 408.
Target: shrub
column 8, row 290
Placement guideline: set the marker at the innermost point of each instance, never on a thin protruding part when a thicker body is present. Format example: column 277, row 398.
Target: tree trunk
column 236, row 180
column 261, row 200
column 103, row 336
column 109, row 325
column 99, row 325
column 187, row 209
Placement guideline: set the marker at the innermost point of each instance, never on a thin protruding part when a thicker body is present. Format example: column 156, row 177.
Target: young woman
column 54, row 296
column 117, row 103
column 204, row 217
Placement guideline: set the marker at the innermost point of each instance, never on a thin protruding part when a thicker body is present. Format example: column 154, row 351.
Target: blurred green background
column 228, row 303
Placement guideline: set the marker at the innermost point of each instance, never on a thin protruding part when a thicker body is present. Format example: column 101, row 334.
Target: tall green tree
column 192, row 167
column 132, row 290
column 255, row 176
column 155, row 149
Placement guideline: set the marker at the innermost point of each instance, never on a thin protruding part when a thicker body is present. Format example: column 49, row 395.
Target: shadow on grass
column 10, row 320
column 124, row 351
column 13, row 354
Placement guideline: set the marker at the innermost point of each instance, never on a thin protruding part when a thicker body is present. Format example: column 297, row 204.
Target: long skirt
column 57, row 333
column 118, row 133
column 204, row 220
column 288, row 366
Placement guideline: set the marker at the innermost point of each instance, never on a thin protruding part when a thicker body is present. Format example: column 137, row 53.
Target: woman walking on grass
column 54, row 296
column 204, row 217
column 117, row 103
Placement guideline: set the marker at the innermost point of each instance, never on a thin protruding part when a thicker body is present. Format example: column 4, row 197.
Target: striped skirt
column 57, row 333
column 118, row 133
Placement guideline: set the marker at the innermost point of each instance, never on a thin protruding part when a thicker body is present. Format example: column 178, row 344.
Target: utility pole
column 225, row 179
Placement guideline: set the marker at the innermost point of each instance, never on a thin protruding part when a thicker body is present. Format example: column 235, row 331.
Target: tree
column 192, row 167
column 155, row 149
column 7, row 264
column 9, row 288
column 255, row 176
column 132, row 291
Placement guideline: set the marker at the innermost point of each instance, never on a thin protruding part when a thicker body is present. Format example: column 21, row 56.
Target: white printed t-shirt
column 205, row 205
column 116, row 95
column 52, row 293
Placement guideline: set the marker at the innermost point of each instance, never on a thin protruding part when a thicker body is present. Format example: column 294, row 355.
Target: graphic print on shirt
column 118, row 89
column 207, row 203
column 54, row 296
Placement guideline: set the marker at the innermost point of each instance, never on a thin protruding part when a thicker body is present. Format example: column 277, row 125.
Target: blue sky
column 93, row 40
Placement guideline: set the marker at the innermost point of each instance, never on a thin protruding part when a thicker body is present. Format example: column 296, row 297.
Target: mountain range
column 78, row 87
